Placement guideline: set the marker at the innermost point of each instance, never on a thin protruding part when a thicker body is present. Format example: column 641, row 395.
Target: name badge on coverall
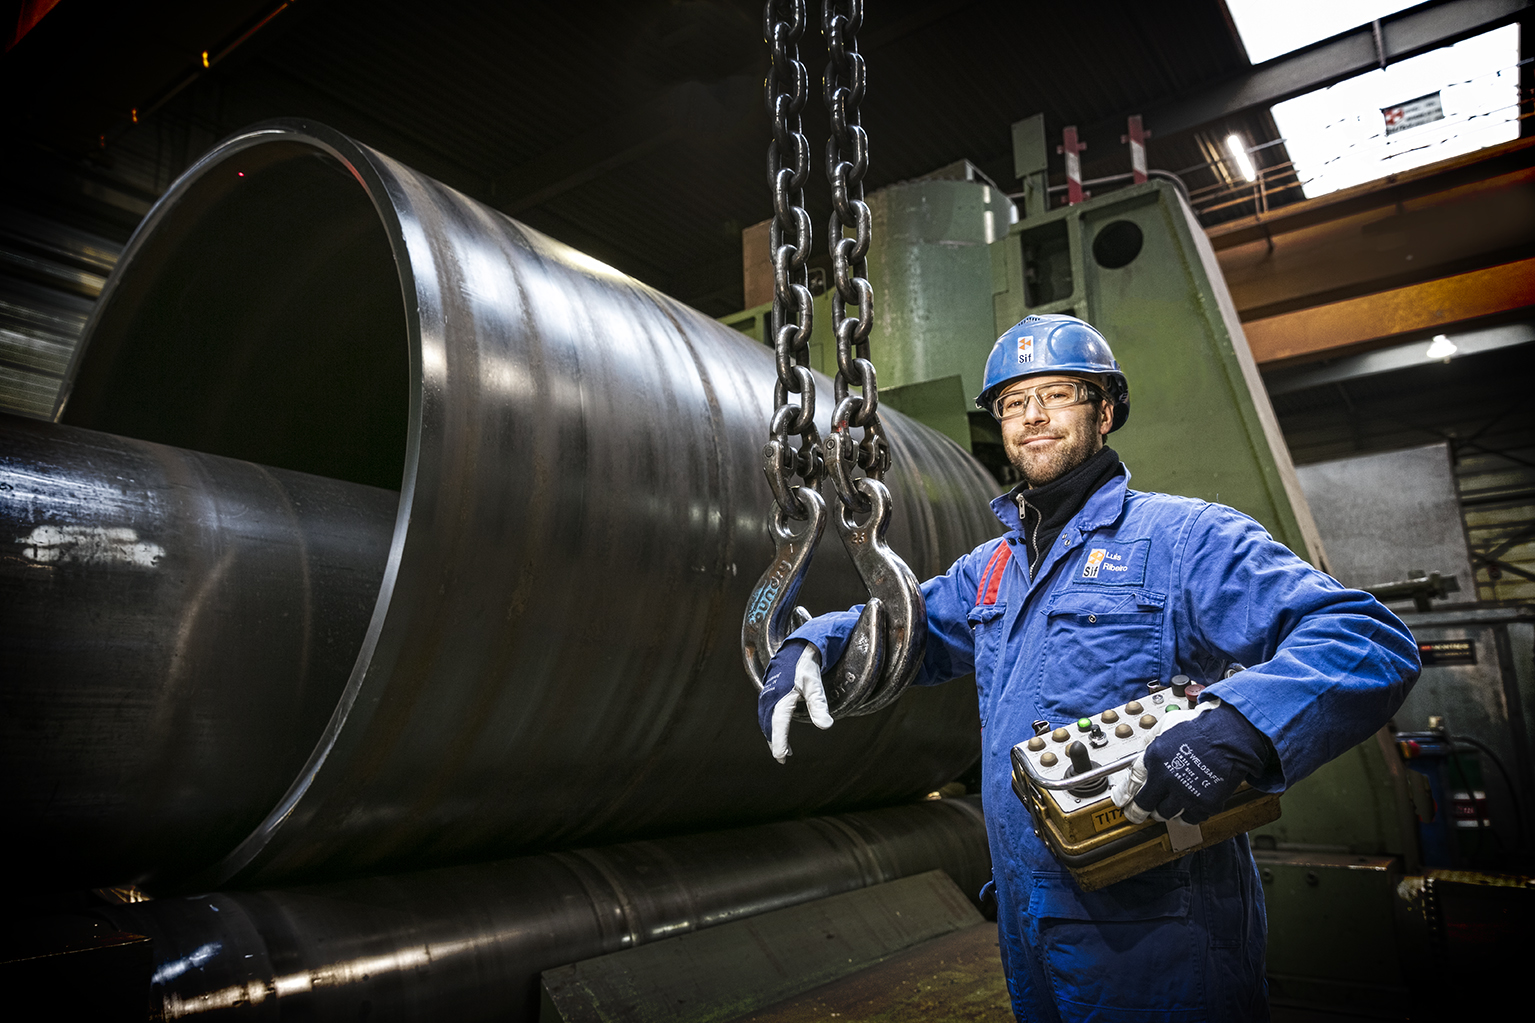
column 1119, row 563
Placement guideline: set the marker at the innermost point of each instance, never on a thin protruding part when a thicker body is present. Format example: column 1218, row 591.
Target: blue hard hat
column 1051, row 343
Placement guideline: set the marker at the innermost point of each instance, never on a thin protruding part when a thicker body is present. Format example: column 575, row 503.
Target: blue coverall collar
column 1101, row 509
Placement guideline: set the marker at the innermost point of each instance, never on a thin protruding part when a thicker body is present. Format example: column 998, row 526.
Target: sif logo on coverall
column 1117, row 564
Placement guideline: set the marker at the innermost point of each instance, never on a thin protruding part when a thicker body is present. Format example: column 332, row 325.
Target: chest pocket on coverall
column 1101, row 648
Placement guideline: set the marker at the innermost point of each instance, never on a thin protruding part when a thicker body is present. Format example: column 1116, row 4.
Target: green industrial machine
column 930, row 264
column 1136, row 264
column 951, row 271
column 931, row 268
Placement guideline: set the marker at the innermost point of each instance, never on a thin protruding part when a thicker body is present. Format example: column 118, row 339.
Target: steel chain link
column 847, row 160
column 789, row 240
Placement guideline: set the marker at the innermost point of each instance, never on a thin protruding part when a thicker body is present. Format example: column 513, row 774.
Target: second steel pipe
column 468, row 943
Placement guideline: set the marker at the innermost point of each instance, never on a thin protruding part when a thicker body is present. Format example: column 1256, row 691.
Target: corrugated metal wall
column 50, row 275
column 1497, row 495
column 1481, row 405
column 63, row 223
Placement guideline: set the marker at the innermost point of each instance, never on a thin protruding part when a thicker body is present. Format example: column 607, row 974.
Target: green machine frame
column 1136, row 264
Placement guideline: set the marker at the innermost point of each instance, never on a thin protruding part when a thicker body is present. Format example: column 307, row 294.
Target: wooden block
column 955, row 977
column 756, row 265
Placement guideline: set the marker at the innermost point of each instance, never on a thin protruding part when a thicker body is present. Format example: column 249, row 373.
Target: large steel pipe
column 550, row 658
column 178, row 629
column 468, row 943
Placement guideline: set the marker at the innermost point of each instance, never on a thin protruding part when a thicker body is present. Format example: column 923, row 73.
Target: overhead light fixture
column 1442, row 348
column 1240, row 158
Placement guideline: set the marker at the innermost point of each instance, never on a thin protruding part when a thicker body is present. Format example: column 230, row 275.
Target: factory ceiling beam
column 1480, row 170
column 1402, row 356
column 1366, row 48
column 1313, row 333
column 1460, row 214
column 1402, row 35
column 86, row 72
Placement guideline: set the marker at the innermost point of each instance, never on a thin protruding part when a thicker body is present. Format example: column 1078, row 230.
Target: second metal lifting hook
column 885, row 650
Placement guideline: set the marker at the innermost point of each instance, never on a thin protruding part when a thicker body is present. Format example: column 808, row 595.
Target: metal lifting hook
column 771, row 613
column 895, row 615
column 769, row 619
column 885, row 649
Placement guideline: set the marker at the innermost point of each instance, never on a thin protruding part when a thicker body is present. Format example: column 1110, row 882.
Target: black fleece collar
column 1046, row 510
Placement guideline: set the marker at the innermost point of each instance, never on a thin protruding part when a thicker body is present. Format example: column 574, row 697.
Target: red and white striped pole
column 1071, row 147
column 1137, row 140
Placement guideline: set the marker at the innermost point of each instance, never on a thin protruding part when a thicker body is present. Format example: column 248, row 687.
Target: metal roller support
column 550, row 656
column 469, row 943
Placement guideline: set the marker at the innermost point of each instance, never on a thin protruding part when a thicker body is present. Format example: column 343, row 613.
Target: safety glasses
column 1049, row 396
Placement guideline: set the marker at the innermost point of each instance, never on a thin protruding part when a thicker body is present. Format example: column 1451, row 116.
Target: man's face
column 1045, row 444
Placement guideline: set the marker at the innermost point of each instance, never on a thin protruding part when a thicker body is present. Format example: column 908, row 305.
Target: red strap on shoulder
column 991, row 579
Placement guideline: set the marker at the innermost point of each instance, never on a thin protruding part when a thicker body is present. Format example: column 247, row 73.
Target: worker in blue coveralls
column 1094, row 590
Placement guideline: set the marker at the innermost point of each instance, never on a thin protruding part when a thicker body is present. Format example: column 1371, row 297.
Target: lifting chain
column 847, row 159
column 882, row 653
column 789, row 241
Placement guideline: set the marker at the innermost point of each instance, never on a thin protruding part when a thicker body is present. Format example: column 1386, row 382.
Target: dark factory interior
column 420, row 424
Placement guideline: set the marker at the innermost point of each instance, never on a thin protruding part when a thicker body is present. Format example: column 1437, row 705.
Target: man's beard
column 1064, row 456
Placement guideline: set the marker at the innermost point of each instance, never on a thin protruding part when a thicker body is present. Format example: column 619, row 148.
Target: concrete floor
column 1298, row 1014
column 953, row 979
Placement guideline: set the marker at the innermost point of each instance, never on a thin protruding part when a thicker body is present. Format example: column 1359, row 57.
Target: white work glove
column 793, row 675
column 1128, row 783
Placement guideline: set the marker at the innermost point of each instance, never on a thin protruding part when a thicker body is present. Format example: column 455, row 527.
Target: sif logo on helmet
column 1051, row 343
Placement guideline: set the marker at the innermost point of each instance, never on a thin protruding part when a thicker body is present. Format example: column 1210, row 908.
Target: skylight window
column 1431, row 107
column 1270, row 27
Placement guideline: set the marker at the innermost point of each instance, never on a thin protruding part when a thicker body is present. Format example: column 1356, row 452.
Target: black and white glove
column 794, row 674
column 1194, row 763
